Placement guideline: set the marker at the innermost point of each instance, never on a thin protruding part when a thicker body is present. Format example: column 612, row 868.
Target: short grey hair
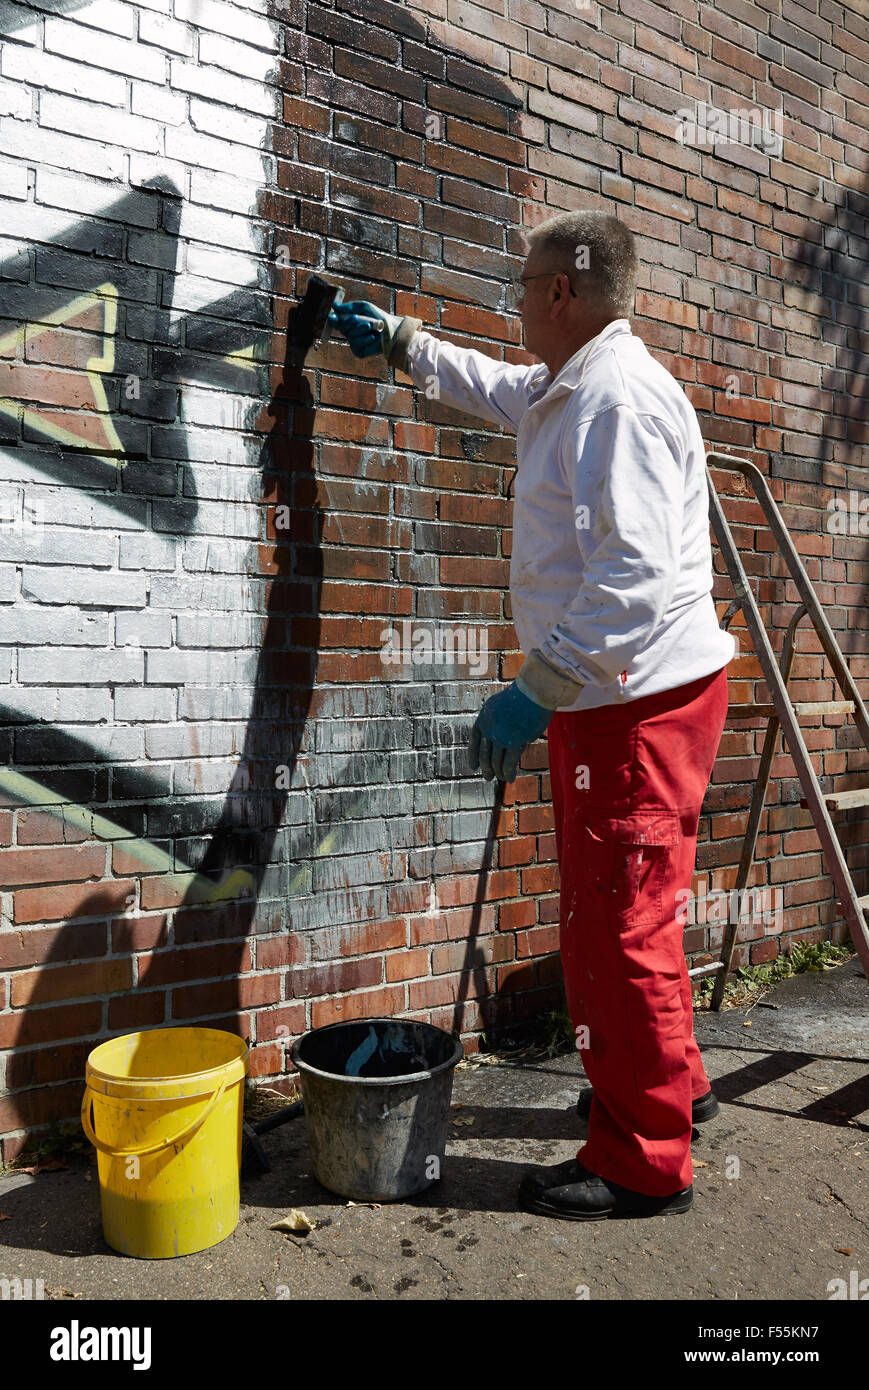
column 606, row 275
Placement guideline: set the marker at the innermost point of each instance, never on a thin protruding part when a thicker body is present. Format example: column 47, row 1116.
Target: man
column 610, row 580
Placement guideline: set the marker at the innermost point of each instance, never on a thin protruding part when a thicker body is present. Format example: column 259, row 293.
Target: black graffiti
column 236, row 833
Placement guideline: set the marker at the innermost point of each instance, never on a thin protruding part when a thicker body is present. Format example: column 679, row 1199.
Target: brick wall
column 217, row 803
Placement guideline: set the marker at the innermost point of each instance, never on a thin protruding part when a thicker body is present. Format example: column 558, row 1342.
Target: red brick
column 374, row 1003
column 512, row 916
column 306, row 114
column 273, row 951
column 40, row 828
column 448, row 989
column 132, row 1012
column 550, row 971
column 356, row 940
column 334, row 979
column 285, row 1023
column 538, row 942
column 406, row 965
column 541, row 879
column 34, row 1025
column 517, row 851
column 519, row 976
column 256, row 990
column 70, row 982
column 499, row 884
column 197, row 963
column 103, row 899
column 265, row 1061
column 450, row 926
column 40, row 1106
column 32, row 947
column 471, row 954
column 669, row 311
column 140, row 933
column 45, row 1065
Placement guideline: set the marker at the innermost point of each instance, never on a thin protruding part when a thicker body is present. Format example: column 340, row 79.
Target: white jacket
column 611, row 569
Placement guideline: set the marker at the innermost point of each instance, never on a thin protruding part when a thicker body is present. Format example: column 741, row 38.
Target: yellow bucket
column 167, row 1125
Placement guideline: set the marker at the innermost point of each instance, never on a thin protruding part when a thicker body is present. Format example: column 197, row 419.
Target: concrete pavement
column 781, row 1190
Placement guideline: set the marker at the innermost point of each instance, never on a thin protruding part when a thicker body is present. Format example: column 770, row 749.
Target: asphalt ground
column 781, row 1181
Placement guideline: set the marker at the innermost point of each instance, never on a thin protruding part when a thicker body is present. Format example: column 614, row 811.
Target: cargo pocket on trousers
column 627, row 859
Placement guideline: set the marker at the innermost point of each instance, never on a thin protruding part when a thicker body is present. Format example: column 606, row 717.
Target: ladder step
column 844, row 801
column 864, row 902
column 709, row 969
column 824, row 706
column 801, row 707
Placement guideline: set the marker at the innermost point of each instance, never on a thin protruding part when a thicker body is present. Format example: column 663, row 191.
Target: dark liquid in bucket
column 377, row 1049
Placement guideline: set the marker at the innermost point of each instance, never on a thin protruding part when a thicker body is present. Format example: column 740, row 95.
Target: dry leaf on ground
column 43, row 1165
column 294, row 1220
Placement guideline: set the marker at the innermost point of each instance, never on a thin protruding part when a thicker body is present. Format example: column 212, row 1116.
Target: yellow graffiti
column 104, row 297
column 325, row 846
column 240, row 884
column 242, row 357
column 28, row 792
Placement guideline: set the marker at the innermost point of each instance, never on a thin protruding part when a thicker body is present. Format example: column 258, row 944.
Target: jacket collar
column 571, row 373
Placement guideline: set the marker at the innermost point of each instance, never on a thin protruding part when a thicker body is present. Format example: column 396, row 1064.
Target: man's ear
column 560, row 305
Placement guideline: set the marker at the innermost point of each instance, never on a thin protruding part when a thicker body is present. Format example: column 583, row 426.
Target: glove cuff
column 546, row 685
column 404, row 335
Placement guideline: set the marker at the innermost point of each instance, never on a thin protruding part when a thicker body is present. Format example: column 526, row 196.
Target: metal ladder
column 783, row 714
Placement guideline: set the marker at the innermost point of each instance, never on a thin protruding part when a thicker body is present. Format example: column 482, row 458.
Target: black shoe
column 570, row 1192
column 703, row 1108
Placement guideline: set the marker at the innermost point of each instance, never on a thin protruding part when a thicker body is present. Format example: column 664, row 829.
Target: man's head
column 580, row 274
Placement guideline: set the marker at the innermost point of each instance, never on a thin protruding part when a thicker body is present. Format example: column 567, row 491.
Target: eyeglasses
column 517, row 284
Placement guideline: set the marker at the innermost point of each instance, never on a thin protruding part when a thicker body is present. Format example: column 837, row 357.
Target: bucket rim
column 403, row 1079
column 128, row 1085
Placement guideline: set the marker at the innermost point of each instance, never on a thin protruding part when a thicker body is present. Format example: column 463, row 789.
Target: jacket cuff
column 404, row 336
column 544, row 684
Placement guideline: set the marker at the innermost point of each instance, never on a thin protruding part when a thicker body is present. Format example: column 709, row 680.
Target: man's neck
column 568, row 350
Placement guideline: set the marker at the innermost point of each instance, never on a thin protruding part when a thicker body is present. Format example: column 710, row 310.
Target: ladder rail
column 803, row 583
column 755, row 813
column 833, row 854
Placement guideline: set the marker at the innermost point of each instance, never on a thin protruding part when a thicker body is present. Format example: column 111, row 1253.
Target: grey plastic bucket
column 377, row 1104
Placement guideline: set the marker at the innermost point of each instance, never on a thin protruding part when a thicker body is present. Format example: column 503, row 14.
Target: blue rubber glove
column 507, row 722
column 368, row 330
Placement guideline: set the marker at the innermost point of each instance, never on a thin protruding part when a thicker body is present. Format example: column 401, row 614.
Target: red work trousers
column 627, row 785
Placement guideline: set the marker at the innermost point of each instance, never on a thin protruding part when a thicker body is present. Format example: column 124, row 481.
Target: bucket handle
column 161, row 1144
